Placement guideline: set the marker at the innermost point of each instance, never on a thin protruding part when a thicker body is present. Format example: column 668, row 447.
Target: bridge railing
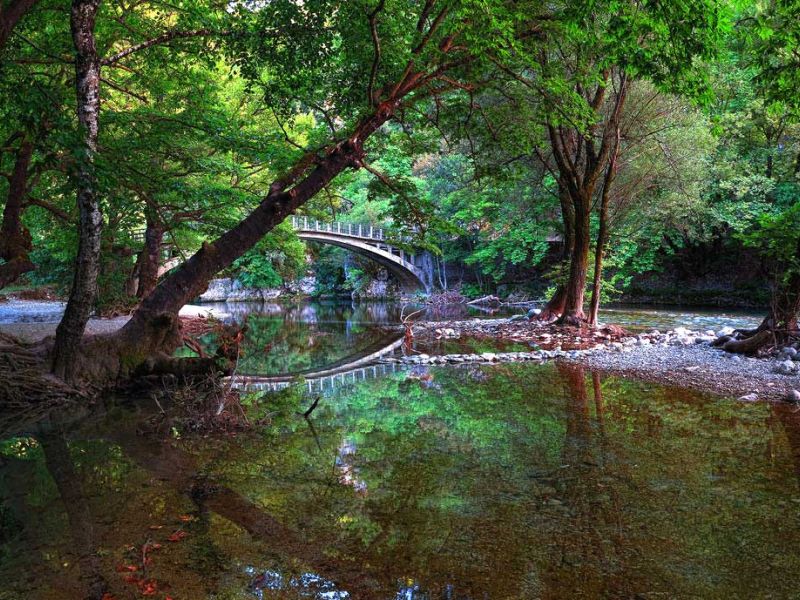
column 357, row 230
column 352, row 229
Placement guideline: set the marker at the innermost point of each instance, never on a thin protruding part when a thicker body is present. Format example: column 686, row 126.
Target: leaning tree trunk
column 15, row 241
column 153, row 332
column 149, row 257
column 87, row 265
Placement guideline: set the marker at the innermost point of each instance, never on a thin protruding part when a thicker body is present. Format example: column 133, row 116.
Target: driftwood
column 489, row 300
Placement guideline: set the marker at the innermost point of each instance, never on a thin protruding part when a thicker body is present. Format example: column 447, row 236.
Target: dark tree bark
column 581, row 158
column 602, row 234
column 555, row 306
column 10, row 15
column 15, row 241
column 149, row 257
column 87, row 265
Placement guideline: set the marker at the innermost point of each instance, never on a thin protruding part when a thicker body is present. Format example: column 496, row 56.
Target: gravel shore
column 698, row 366
column 679, row 357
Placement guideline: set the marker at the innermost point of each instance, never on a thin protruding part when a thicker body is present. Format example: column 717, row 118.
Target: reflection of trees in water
column 310, row 336
column 789, row 417
column 597, row 552
column 76, row 505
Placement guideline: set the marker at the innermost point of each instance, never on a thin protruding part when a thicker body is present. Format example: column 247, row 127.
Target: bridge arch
column 351, row 369
column 369, row 242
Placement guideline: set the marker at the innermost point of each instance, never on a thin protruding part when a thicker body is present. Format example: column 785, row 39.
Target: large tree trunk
column 149, row 257
column 602, row 234
column 87, row 265
column 10, row 14
column 15, row 241
column 555, row 306
column 153, row 328
column 576, row 284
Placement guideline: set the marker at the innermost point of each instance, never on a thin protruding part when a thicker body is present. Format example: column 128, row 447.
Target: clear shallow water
column 671, row 317
column 311, row 336
column 506, row 481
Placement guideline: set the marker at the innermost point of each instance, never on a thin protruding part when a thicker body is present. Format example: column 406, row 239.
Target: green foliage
column 278, row 257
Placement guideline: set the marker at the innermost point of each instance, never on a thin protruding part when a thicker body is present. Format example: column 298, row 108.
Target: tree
column 87, row 264
column 401, row 56
column 771, row 37
column 586, row 86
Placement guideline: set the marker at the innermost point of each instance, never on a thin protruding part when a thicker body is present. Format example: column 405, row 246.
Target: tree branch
column 161, row 39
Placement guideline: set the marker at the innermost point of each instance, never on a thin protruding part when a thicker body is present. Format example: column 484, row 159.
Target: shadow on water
column 505, row 481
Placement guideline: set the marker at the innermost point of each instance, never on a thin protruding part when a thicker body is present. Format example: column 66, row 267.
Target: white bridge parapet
column 358, row 230
column 368, row 241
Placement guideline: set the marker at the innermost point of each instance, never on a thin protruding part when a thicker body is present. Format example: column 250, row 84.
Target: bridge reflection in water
column 347, row 371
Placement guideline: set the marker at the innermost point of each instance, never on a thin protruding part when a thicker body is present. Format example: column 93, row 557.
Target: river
column 512, row 481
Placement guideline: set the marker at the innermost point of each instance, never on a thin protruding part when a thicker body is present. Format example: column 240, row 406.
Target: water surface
column 472, row 482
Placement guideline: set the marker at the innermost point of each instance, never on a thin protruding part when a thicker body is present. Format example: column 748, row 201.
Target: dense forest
column 201, row 200
column 578, row 145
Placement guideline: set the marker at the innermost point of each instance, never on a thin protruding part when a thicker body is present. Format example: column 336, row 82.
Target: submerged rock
column 793, row 396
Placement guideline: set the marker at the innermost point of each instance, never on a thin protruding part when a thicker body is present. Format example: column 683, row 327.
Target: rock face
column 231, row 290
column 381, row 287
column 303, row 287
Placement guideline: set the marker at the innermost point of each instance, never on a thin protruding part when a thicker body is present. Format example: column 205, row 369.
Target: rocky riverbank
column 679, row 357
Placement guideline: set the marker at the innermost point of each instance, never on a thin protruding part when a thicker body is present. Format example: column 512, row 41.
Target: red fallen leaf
column 149, row 587
column 177, row 536
column 155, row 546
column 132, row 579
column 110, row 596
column 186, row 518
column 126, row 568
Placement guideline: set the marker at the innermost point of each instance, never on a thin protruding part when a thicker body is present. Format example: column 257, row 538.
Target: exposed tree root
column 749, row 345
